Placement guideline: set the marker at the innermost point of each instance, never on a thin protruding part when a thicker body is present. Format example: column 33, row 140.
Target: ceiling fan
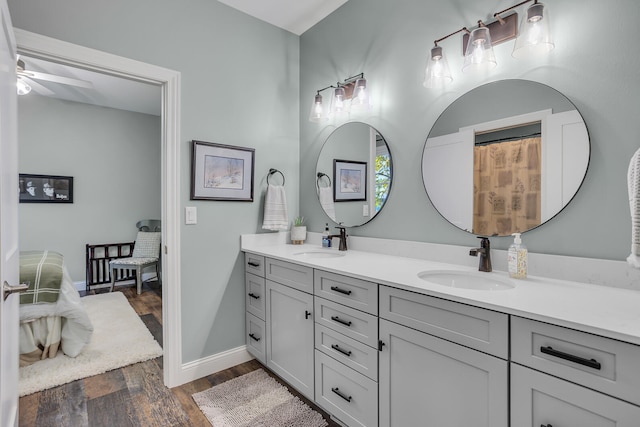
column 27, row 81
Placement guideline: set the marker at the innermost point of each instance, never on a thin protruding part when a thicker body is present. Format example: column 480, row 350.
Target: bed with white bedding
column 52, row 317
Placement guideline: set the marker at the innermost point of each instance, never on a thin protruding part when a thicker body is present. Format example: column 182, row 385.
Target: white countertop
column 606, row 311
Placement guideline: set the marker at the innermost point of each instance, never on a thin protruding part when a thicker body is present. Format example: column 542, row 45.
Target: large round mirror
column 505, row 157
column 353, row 174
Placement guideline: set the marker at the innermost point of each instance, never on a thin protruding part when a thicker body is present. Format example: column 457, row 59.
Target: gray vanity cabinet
column 427, row 380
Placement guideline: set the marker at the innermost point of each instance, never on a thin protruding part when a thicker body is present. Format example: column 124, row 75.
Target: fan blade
column 57, row 79
column 37, row 87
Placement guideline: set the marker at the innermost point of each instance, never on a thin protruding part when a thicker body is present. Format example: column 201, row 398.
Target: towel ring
column 271, row 172
column 320, row 175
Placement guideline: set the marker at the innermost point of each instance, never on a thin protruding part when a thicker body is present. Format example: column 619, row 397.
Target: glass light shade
column 318, row 111
column 23, row 87
column 437, row 73
column 535, row 37
column 361, row 98
column 479, row 55
column 340, row 105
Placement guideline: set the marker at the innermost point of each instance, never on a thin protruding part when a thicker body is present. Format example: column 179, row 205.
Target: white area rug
column 119, row 339
column 255, row 399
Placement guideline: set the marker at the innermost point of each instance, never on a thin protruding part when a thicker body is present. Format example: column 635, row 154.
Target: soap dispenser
column 517, row 258
column 326, row 240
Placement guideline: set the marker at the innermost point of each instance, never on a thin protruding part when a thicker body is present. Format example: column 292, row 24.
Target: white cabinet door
column 427, row 381
column 539, row 399
column 289, row 325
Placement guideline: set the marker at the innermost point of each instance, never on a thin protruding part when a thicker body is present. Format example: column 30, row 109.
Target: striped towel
column 633, row 182
column 275, row 209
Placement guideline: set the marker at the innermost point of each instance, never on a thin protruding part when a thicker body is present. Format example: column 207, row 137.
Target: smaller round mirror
column 505, row 157
column 353, row 174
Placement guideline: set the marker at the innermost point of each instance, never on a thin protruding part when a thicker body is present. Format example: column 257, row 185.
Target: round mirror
column 505, row 157
column 353, row 174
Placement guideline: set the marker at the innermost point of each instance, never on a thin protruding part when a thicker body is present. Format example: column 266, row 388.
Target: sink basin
column 467, row 280
column 320, row 254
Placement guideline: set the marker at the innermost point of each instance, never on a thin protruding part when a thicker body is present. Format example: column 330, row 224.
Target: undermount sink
column 320, row 254
column 467, row 280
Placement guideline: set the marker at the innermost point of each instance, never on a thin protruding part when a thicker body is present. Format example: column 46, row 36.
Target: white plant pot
column 298, row 234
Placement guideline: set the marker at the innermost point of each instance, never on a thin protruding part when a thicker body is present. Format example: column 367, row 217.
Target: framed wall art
column 221, row 172
column 45, row 188
column 349, row 180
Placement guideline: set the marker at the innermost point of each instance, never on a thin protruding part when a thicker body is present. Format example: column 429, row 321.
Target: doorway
column 48, row 49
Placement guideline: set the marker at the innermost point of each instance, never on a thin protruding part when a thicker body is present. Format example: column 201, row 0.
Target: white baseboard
column 197, row 369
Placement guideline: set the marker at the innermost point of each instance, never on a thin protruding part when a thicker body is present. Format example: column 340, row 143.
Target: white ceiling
column 296, row 16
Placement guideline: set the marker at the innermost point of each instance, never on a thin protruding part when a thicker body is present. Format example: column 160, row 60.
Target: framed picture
column 221, row 172
column 349, row 180
column 45, row 188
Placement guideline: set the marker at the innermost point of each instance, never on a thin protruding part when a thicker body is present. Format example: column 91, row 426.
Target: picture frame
column 45, row 188
column 221, row 172
column 349, row 180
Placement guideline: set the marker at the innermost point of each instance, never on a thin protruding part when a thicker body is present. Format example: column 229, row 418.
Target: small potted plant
column 298, row 231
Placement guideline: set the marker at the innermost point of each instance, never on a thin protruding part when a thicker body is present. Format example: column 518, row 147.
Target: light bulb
column 360, row 99
column 535, row 37
column 437, row 72
column 318, row 113
column 479, row 55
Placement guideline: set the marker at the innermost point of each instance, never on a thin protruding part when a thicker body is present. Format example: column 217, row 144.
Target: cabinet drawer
column 352, row 353
column 539, row 399
column 254, row 298
column 474, row 327
column 355, row 324
column 296, row 276
column 256, row 338
column 604, row 364
column 345, row 290
column 349, row 396
column 254, row 264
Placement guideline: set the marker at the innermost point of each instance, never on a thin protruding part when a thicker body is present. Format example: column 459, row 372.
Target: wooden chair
column 146, row 253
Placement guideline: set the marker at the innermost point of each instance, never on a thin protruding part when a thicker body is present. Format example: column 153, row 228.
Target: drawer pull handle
column 339, row 393
column 546, row 425
column 307, row 314
column 342, row 291
column 254, row 296
column 338, row 349
column 254, row 337
column 254, row 264
column 591, row 363
column 339, row 320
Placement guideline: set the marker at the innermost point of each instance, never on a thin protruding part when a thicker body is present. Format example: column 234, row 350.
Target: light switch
column 365, row 210
column 190, row 215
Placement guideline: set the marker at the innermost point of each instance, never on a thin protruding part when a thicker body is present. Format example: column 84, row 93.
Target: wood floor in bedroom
column 131, row 396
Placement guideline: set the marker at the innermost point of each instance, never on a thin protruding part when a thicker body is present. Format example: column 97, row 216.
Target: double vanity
column 382, row 340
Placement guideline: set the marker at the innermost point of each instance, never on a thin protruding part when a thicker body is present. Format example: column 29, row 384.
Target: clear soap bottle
column 517, row 258
column 326, row 240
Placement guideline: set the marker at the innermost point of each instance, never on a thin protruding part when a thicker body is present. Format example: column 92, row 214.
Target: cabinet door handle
column 307, row 314
column 342, row 291
column 254, row 264
column 546, row 425
column 337, row 348
column 254, row 337
column 339, row 393
column 339, row 320
column 591, row 363
column 254, row 296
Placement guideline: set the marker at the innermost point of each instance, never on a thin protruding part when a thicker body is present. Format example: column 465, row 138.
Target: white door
column 9, row 252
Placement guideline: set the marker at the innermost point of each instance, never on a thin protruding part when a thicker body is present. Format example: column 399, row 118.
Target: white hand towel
column 325, row 195
column 275, row 209
column 633, row 182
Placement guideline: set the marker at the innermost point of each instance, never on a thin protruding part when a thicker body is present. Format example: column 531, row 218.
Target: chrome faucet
column 343, row 238
column 485, row 254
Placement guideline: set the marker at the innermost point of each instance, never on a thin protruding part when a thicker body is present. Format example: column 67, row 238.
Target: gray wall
column 239, row 87
column 114, row 158
column 390, row 44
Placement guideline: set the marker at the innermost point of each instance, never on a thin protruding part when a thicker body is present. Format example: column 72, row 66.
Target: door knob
column 7, row 289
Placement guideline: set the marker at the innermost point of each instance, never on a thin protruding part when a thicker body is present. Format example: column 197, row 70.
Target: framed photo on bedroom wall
column 45, row 188
column 221, row 172
column 349, row 180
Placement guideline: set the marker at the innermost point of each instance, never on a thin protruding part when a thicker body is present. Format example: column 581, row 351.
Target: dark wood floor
column 134, row 395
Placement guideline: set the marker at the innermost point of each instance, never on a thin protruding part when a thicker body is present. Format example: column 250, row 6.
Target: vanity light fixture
column 477, row 45
column 350, row 94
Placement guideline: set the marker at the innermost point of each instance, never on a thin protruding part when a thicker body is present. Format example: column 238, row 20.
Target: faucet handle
column 484, row 242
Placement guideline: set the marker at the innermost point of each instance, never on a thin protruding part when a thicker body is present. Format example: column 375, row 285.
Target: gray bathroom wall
column 114, row 159
column 239, row 86
column 389, row 41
